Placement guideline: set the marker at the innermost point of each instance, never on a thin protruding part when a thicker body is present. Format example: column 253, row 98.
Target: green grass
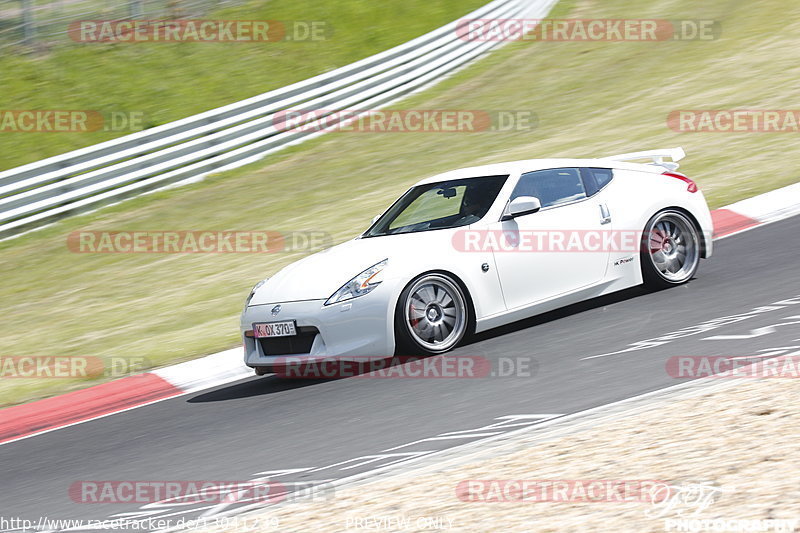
column 591, row 99
column 169, row 81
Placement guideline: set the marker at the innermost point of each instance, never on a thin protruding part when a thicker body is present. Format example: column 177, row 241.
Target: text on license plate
column 274, row 329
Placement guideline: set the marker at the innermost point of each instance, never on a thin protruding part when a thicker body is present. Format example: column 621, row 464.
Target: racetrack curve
column 236, row 431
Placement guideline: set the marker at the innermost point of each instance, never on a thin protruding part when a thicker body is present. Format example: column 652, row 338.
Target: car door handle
column 605, row 215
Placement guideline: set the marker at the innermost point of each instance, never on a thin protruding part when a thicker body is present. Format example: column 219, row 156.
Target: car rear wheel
column 431, row 316
column 670, row 249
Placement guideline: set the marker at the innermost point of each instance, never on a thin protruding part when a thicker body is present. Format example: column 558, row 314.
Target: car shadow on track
column 563, row 312
column 253, row 387
column 272, row 384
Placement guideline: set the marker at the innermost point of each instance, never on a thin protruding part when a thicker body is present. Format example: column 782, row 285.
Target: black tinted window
column 602, row 176
column 552, row 187
column 595, row 179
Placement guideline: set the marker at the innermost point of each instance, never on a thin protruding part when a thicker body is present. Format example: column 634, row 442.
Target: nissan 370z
column 477, row 248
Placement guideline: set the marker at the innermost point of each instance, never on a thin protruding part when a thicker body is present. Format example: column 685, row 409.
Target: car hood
column 318, row 276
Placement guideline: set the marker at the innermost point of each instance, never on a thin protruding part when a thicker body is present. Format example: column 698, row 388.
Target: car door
column 540, row 260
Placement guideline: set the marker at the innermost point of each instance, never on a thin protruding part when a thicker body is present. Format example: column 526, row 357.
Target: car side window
column 602, row 176
column 594, row 179
column 552, row 187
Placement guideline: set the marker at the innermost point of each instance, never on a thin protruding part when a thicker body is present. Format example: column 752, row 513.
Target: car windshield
column 441, row 205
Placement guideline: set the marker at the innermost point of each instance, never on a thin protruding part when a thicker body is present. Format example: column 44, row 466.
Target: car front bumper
column 356, row 328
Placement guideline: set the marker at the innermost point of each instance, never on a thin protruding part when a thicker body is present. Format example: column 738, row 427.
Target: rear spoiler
column 655, row 156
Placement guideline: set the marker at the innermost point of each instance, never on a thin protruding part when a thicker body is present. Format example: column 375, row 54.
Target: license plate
column 275, row 329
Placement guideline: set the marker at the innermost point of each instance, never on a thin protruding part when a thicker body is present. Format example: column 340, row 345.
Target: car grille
column 297, row 344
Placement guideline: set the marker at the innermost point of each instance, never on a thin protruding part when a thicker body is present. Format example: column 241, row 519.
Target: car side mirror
column 522, row 205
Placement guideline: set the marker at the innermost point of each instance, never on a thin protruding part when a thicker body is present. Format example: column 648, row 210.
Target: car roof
column 528, row 165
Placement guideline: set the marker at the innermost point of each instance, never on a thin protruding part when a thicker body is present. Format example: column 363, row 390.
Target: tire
column 432, row 316
column 670, row 251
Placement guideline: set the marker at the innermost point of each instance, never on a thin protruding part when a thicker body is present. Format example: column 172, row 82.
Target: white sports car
column 473, row 249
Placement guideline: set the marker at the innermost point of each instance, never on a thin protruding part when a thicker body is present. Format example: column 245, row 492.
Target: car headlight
column 360, row 285
column 253, row 291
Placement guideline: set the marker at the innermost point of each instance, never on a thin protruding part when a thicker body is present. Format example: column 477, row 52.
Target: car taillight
column 692, row 185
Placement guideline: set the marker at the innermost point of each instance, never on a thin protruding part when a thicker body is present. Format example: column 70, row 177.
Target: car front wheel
column 431, row 316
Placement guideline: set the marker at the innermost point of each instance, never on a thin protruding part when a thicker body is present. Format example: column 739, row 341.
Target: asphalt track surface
column 241, row 429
